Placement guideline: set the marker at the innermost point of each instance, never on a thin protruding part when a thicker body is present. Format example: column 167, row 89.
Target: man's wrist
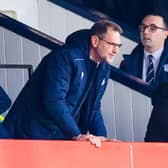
column 77, row 137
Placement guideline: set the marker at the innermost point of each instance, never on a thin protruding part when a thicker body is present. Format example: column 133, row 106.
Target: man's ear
column 166, row 34
column 94, row 40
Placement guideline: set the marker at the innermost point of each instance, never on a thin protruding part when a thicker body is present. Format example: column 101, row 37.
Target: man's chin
column 147, row 43
column 147, row 47
column 109, row 61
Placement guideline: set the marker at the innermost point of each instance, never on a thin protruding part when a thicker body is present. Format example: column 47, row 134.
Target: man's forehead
column 113, row 36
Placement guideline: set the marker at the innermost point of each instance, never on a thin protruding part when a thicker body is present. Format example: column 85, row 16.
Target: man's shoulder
column 138, row 50
column 67, row 53
column 129, row 60
column 74, row 53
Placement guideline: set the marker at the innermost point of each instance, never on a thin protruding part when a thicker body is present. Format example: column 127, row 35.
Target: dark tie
column 150, row 71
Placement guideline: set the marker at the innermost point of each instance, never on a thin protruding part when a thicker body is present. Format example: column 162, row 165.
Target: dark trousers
column 157, row 129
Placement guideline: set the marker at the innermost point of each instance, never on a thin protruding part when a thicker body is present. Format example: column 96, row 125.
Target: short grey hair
column 100, row 27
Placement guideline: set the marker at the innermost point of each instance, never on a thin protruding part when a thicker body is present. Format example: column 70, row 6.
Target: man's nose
column 115, row 49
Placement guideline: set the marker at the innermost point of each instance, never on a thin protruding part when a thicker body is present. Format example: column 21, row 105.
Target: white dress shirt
column 155, row 59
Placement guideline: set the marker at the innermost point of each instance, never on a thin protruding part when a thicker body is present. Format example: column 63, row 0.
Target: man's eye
column 153, row 28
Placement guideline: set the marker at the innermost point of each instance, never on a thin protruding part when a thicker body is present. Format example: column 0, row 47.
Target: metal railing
column 18, row 66
column 52, row 43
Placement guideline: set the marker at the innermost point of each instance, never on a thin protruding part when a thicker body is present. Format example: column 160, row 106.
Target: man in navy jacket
column 56, row 103
column 154, row 32
column 5, row 103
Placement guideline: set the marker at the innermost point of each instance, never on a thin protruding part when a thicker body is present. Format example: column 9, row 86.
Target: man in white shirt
column 153, row 33
column 149, row 61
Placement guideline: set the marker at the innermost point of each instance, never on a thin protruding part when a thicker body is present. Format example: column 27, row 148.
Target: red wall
column 71, row 154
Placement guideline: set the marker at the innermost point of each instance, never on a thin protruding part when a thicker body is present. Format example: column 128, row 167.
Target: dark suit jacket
column 133, row 64
column 157, row 129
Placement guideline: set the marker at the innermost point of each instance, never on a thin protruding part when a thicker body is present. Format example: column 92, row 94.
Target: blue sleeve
column 5, row 101
column 56, row 85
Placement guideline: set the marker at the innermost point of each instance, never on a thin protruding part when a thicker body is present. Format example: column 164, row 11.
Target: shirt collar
column 91, row 58
column 157, row 54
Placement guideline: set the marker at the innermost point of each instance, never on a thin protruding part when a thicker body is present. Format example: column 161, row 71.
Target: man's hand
column 95, row 140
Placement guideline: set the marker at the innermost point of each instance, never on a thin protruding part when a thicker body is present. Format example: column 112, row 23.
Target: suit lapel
column 135, row 62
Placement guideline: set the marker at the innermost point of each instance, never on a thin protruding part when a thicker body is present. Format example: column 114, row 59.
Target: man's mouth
column 146, row 39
